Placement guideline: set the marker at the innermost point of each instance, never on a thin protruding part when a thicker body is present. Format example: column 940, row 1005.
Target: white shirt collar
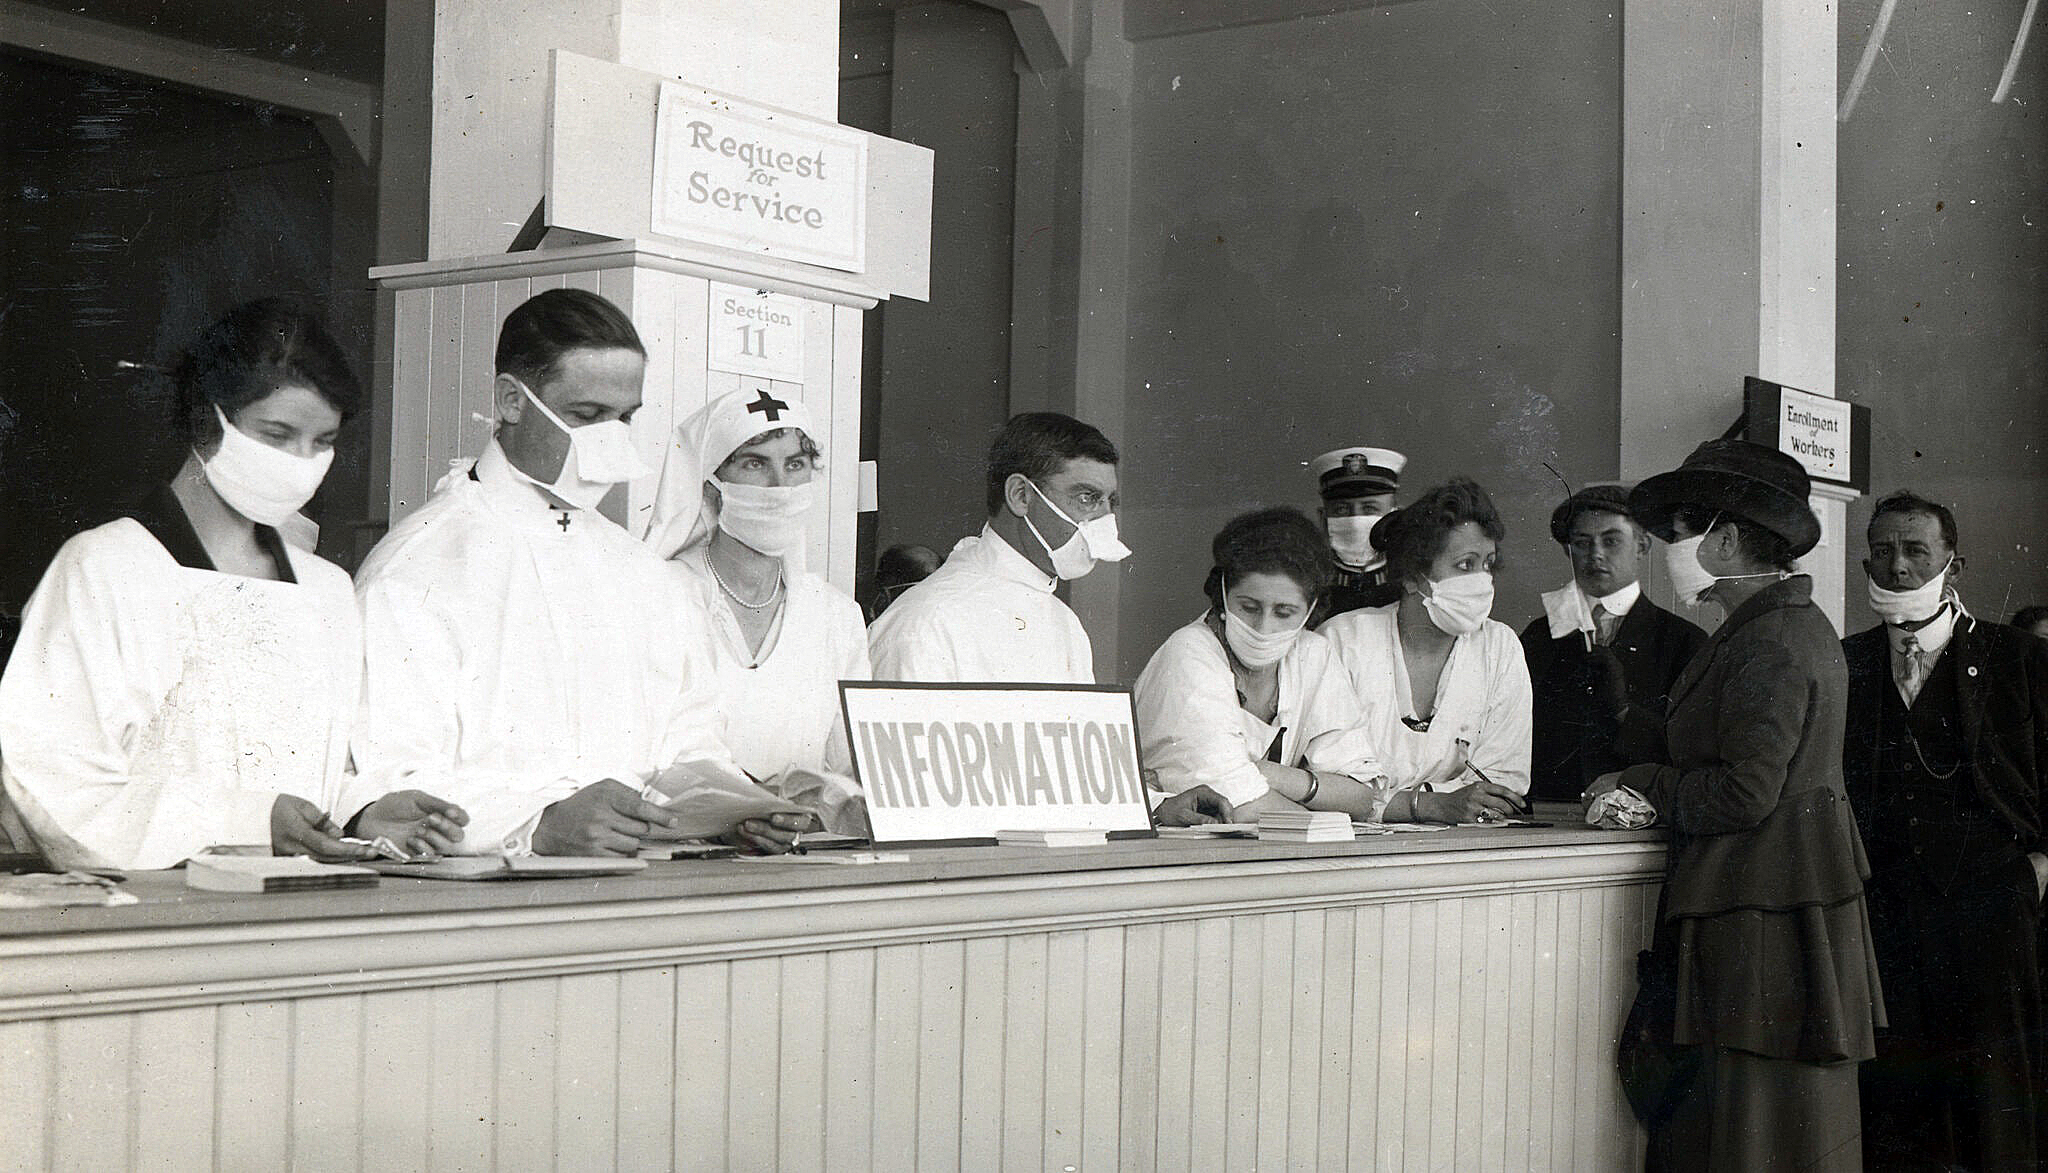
column 1932, row 638
column 1617, row 603
column 520, row 496
column 1003, row 560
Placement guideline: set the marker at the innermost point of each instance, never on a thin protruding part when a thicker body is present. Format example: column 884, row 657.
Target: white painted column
column 1728, row 227
column 490, row 86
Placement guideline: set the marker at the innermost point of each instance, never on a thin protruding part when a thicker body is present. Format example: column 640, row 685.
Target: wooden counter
column 1438, row 1000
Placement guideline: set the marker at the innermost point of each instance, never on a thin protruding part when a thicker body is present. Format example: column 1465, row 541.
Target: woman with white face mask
column 1249, row 702
column 185, row 676
column 732, row 515
column 1444, row 687
column 1763, row 918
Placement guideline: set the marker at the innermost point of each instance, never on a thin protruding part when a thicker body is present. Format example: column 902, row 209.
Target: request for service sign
column 1830, row 438
column 959, row 762
column 759, row 180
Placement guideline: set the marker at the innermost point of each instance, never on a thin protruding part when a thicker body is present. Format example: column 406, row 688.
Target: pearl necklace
column 773, row 591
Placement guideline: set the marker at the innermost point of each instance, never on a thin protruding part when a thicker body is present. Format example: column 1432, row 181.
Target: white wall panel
column 1464, row 1031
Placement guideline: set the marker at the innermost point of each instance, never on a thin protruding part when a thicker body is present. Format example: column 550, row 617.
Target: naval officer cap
column 1357, row 472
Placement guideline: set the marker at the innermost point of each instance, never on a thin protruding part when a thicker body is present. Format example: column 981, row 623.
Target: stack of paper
column 1038, row 838
column 271, row 873
column 1306, row 827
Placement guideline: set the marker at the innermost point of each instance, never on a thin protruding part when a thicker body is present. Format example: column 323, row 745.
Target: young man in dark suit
column 1602, row 659
column 1944, row 757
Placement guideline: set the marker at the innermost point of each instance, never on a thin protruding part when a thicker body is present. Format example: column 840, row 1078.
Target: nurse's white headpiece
column 701, row 443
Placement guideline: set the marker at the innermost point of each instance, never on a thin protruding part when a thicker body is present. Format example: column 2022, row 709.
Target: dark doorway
column 136, row 213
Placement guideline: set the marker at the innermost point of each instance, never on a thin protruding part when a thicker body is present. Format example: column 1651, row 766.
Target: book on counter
column 1306, row 827
column 272, row 873
column 515, row 867
column 1044, row 838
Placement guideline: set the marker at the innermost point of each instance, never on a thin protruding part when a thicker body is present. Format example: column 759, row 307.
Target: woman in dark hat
column 1763, row 906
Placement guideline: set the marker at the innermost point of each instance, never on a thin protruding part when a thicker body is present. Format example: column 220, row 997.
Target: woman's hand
column 1193, row 807
column 416, row 821
column 774, row 835
column 1481, row 802
column 1600, row 786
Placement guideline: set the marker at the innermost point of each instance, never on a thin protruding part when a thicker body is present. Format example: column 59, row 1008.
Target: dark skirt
column 1798, row 983
column 1749, row 1114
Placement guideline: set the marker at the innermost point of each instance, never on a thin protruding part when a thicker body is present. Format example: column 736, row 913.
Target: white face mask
column 769, row 519
column 1690, row 580
column 1459, row 605
column 1255, row 648
column 264, row 484
column 600, row 456
column 1914, row 606
column 1093, row 541
column 1351, row 539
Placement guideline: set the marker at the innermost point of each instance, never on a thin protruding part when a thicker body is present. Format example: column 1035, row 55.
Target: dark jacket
column 2001, row 678
column 1579, row 732
column 1766, row 875
column 1352, row 590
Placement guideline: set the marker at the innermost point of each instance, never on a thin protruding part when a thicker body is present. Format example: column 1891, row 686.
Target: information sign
column 959, row 762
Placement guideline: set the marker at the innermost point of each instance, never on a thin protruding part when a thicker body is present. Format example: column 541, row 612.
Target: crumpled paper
column 1620, row 809
column 711, row 800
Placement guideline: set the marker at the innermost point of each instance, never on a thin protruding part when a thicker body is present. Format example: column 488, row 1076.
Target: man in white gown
column 989, row 613
column 526, row 657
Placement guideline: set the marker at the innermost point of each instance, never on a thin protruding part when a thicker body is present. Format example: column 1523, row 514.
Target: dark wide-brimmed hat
column 1749, row 481
column 1591, row 499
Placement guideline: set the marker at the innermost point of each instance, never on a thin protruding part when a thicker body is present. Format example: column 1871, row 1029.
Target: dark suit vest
column 1924, row 808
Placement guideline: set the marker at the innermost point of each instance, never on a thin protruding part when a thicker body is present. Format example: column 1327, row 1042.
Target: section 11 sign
column 959, row 762
column 759, row 180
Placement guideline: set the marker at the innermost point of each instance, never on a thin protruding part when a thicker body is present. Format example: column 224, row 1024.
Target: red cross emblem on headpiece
column 769, row 406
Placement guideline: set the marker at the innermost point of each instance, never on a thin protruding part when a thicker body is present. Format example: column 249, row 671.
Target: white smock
column 986, row 614
column 1193, row 731
column 510, row 661
column 781, row 710
column 1483, row 698
column 153, row 709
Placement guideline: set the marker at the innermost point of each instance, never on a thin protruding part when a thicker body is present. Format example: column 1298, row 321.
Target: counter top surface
column 167, row 903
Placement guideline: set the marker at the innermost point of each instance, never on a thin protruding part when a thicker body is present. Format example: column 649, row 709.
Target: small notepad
column 1042, row 838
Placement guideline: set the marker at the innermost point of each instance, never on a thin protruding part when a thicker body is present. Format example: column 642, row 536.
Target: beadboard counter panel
column 1426, row 1001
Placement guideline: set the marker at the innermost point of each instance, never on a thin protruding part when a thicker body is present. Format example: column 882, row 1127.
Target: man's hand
column 414, row 820
column 773, row 835
column 297, row 827
column 2040, row 863
column 603, row 818
column 1193, row 807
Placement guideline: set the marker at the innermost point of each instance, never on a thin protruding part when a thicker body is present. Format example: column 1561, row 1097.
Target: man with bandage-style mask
column 990, row 614
column 1946, row 746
